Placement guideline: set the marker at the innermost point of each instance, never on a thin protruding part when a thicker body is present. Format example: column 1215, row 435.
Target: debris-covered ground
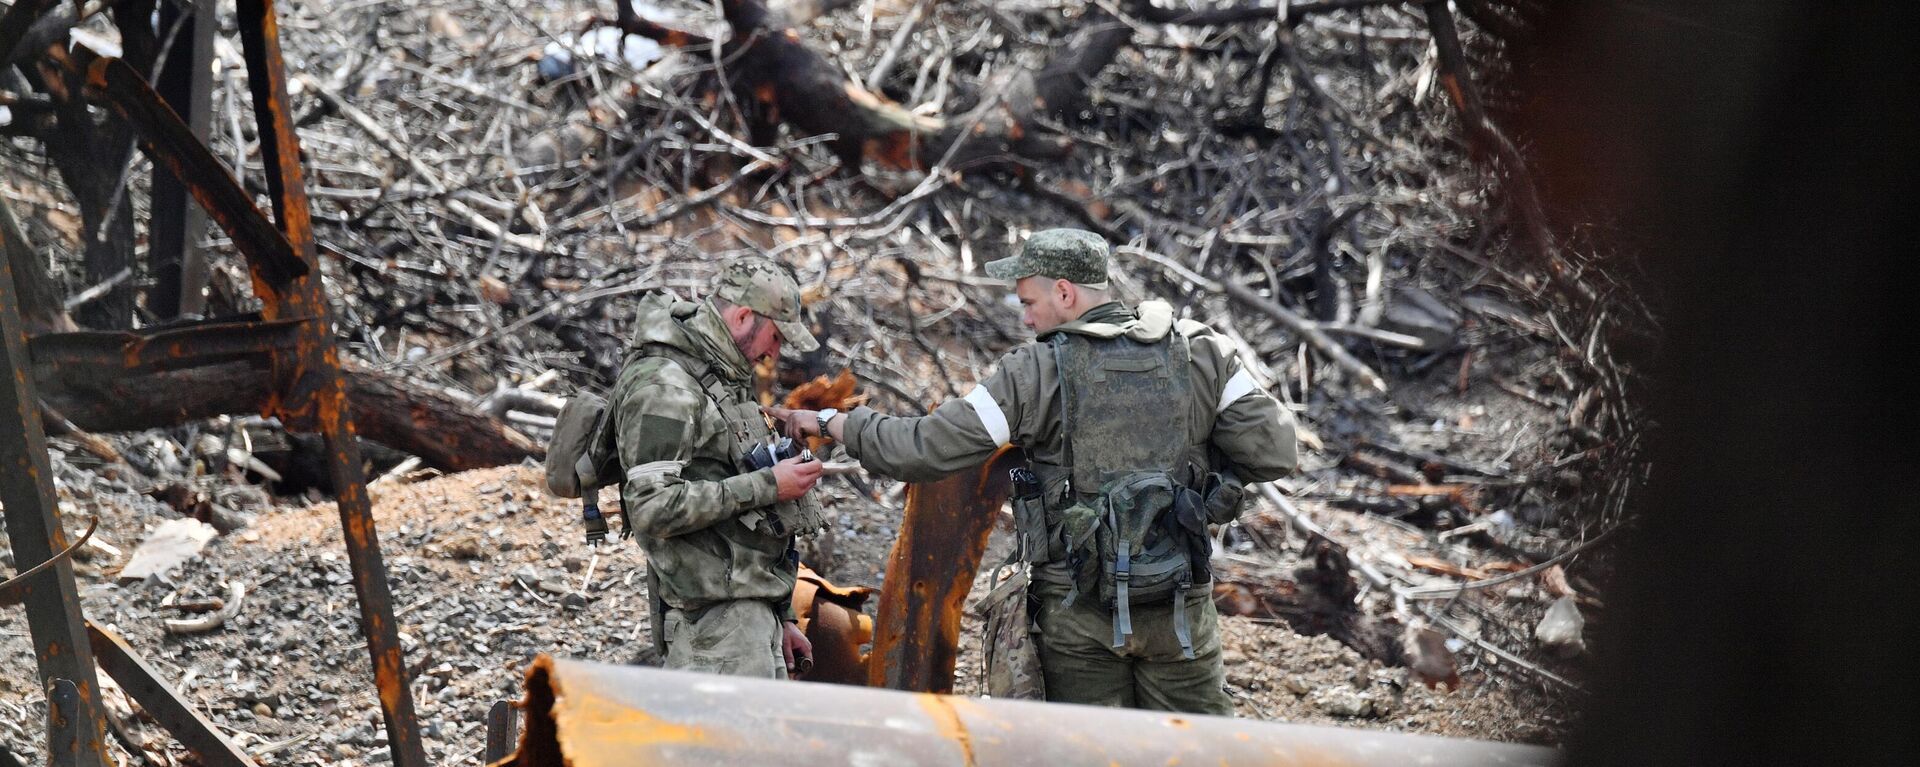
column 487, row 571
column 486, row 218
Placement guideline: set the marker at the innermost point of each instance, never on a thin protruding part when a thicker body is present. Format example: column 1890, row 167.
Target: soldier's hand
column 798, row 424
column 795, row 477
column 796, row 649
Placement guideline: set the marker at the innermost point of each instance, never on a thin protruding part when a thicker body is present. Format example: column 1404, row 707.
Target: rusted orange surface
column 931, row 570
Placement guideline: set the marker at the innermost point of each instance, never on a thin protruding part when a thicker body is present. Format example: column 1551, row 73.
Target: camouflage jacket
column 683, row 414
column 1246, row 432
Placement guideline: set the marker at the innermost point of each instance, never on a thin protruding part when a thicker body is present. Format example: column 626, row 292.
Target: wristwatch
column 825, row 416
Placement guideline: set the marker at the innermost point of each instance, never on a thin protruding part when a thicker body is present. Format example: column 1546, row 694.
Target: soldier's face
column 1045, row 302
column 757, row 336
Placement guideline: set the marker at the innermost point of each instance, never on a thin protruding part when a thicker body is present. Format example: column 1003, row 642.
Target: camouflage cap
column 1074, row 255
column 761, row 285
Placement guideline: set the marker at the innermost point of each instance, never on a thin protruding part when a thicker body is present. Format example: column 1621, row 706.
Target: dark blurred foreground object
column 1759, row 161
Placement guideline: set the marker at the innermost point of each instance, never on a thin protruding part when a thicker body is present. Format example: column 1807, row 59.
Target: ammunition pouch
column 803, row 516
column 1221, row 496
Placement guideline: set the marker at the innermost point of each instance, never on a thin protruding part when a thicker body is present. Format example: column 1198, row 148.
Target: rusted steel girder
column 942, row 537
column 157, row 698
column 594, row 715
column 173, row 238
column 309, row 386
column 171, row 144
column 36, row 535
column 313, row 383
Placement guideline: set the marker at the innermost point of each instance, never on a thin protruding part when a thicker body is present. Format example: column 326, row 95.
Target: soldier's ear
column 1065, row 291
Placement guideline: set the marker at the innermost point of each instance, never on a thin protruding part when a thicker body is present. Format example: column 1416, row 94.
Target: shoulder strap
column 710, row 382
column 1066, row 408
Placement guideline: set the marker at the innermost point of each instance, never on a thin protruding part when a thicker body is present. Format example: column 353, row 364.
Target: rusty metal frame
column 296, row 335
column 37, row 536
column 315, row 385
column 144, row 685
column 916, row 635
column 165, row 138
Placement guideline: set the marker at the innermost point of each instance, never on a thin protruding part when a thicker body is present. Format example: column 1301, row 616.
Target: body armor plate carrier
column 1133, row 528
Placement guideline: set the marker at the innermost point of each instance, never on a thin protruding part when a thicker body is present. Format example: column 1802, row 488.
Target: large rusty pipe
column 596, row 715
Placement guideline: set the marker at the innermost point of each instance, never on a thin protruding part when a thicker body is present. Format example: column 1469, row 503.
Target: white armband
column 1240, row 385
column 655, row 469
column 991, row 416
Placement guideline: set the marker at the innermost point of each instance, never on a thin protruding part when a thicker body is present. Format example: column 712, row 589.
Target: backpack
column 1141, row 537
column 581, row 458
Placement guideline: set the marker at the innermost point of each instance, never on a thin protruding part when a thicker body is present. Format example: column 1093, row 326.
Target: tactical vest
column 1128, row 523
column 746, row 423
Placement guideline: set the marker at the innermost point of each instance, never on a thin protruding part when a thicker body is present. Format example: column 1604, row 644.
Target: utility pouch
column 1009, row 640
column 1029, row 517
column 803, row 517
column 1222, row 497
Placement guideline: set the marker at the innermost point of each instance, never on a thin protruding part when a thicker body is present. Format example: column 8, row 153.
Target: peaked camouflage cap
column 764, row 287
column 1074, row 255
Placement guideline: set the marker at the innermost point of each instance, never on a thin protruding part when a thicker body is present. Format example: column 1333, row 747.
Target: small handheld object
column 1026, row 484
column 595, row 522
column 765, row 455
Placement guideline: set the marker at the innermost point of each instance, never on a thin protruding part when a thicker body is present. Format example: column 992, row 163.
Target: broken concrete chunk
column 173, row 543
column 1560, row 630
column 1348, row 704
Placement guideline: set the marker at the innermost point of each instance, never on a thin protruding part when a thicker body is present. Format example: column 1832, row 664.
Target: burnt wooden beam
column 126, row 381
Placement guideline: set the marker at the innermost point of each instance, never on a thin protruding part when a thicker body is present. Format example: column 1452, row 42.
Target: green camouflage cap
column 764, row 287
column 1074, row 255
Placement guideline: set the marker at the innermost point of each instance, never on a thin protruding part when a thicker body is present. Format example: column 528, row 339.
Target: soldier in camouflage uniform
column 1222, row 423
column 719, row 539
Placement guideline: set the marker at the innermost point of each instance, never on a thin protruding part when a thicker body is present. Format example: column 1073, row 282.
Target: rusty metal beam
column 595, row 715
column 503, row 730
column 36, row 534
column 315, row 386
column 185, row 83
column 171, row 144
column 155, row 696
column 917, row 631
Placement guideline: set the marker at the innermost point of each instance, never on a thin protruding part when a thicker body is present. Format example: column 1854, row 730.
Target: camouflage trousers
column 1081, row 665
column 740, row 637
